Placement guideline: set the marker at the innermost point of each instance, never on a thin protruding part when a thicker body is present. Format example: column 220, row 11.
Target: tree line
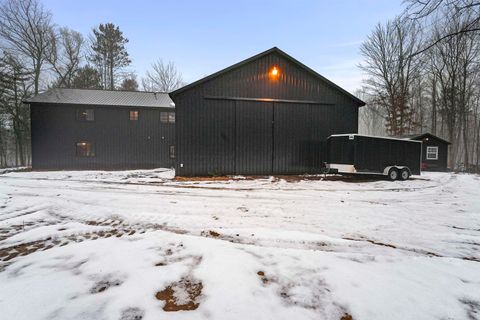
column 422, row 72
column 423, row 75
column 37, row 54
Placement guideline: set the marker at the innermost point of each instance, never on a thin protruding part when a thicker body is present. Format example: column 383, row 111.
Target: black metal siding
column 215, row 115
column 254, row 137
column 442, row 162
column 371, row 154
column 119, row 142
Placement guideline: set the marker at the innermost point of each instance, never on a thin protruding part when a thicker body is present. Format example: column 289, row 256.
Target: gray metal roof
column 421, row 136
column 104, row 98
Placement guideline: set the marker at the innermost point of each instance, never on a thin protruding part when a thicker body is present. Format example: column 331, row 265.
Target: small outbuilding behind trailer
column 360, row 154
column 434, row 153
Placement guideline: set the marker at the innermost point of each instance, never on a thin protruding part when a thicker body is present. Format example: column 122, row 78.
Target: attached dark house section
column 96, row 129
column 269, row 114
column 434, row 151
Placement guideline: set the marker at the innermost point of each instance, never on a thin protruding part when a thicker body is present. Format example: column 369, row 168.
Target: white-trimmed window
column 432, row 153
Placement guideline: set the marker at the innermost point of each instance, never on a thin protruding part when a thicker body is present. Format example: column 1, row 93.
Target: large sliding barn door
column 292, row 143
column 254, row 137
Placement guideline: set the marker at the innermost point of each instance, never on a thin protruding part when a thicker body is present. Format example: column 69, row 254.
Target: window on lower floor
column 432, row 153
column 85, row 115
column 172, row 152
column 133, row 115
column 167, row 117
column 85, row 149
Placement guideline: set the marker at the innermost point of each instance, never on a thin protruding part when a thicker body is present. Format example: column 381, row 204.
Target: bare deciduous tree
column 26, row 30
column 453, row 65
column 15, row 86
column 162, row 78
column 65, row 56
column 433, row 12
column 371, row 120
column 391, row 70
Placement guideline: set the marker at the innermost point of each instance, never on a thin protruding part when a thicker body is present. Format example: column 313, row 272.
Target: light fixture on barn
column 274, row 72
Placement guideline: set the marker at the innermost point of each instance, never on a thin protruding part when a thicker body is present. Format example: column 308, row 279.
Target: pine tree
column 87, row 78
column 109, row 53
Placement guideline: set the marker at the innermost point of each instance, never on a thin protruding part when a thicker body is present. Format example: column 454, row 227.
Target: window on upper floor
column 133, row 115
column 85, row 114
column 167, row 117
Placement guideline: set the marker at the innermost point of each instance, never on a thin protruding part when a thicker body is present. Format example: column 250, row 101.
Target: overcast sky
column 202, row 37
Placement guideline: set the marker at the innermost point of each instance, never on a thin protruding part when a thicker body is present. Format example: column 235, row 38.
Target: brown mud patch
column 263, row 277
column 118, row 228
column 214, row 233
column 181, row 296
column 276, row 178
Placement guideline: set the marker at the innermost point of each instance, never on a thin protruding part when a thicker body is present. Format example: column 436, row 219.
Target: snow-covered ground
column 140, row 245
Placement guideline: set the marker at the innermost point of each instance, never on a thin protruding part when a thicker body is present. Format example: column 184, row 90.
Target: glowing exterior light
column 275, row 72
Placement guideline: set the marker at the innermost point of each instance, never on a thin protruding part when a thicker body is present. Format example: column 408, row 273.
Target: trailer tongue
column 395, row 158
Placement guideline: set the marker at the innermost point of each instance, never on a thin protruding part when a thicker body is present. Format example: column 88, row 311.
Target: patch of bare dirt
column 132, row 314
column 263, row 277
column 7, row 232
column 346, row 316
column 471, row 259
column 181, row 296
column 372, row 242
column 214, row 233
column 24, row 249
column 119, row 229
column 472, row 308
column 211, row 234
column 103, row 285
column 216, row 178
column 287, row 178
column 418, row 251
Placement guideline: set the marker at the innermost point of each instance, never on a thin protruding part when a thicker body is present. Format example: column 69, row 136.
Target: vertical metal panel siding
column 119, row 142
column 298, row 134
column 442, row 162
column 254, row 139
column 293, row 138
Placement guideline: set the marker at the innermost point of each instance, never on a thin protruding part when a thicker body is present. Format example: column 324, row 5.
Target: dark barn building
column 97, row 129
column 434, row 151
column 269, row 114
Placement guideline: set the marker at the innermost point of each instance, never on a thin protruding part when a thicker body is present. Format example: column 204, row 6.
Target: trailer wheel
column 393, row 174
column 404, row 174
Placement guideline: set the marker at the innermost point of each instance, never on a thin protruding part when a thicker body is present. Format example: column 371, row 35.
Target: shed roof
column 104, row 98
column 255, row 57
column 416, row 136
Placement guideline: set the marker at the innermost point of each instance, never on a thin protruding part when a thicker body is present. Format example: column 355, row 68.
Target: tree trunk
column 434, row 106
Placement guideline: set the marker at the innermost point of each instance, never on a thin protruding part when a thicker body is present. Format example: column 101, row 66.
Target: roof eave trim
column 97, row 104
